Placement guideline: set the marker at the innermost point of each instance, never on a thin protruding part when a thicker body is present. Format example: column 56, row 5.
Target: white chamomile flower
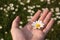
column 8, row 8
column 38, row 24
column 22, row 3
column 1, row 8
column 28, row 1
column 11, row 4
column 2, row 39
column 17, row 6
column 12, row 8
column 24, row 8
column 38, row 6
column 5, row 32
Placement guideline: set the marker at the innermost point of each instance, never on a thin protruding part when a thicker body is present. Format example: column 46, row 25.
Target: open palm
column 28, row 33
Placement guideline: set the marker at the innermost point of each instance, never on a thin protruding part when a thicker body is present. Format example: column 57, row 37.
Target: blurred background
column 9, row 9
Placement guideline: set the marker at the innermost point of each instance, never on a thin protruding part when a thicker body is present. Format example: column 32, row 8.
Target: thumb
column 15, row 23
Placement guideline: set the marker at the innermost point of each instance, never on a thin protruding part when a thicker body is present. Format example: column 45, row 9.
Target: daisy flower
column 38, row 24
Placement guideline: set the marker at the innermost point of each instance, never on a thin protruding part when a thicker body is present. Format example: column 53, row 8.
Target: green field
column 9, row 9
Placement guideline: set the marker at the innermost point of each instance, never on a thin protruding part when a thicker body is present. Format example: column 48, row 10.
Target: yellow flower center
column 37, row 25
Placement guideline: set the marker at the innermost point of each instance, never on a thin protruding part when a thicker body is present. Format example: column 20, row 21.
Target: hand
column 27, row 33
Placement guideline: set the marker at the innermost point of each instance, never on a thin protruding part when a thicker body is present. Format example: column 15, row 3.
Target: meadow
column 9, row 9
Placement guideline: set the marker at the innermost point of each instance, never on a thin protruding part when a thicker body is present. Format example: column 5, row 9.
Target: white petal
column 41, row 26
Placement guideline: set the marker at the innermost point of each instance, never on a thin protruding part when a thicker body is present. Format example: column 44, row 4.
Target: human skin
column 27, row 32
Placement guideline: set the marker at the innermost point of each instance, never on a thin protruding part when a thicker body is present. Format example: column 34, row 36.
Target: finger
column 48, row 17
column 35, row 17
column 48, row 27
column 15, row 23
column 44, row 14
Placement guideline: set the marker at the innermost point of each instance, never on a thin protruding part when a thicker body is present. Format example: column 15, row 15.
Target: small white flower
column 24, row 8
column 30, row 7
column 5, row 10
column 38, row 6
column 21, row 3
column 7, row 15
column 21, row 22
column 55, row 18
column 38, row 24
column 17, row 6
column 28, row 1
column 0, row 27
column 31, row 14
column 20, row 27
column 48, row 2
column 28, row 16
column 33, row 6
column 58, row 22
column 1, row 8
column 57, row 13
column 28, row 19
column 29, row 11
column 58, row 17
column 52, row 1
column 12, row 8
column 8, row 8
column 46, row 39
column 52, row 29
column 57, row 9
column 11, row 4
column 33, row 11
column 13, row 12
column 16, row 9
column 2, row 39
column 5, row 32
column 59, row 3
column 52, row 9
column 5, row 5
